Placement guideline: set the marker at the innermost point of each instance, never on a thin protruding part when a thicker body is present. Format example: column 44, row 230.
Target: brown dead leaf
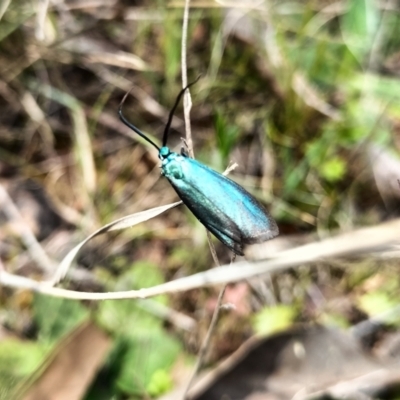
column 70, row 368
column 301, row 363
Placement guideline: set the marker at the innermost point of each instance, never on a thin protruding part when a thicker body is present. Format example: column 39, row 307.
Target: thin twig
column 187, row 105
column 212, row 249
column 184, row 43
column 187, row 102
column 206, row 343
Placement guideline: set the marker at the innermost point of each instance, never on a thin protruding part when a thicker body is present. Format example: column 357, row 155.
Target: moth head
column 164, row 153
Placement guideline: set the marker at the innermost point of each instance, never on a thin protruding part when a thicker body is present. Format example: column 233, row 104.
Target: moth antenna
column 171, row 113
column 130, row 125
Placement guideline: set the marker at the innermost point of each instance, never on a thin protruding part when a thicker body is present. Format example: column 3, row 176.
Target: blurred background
column 303, row 95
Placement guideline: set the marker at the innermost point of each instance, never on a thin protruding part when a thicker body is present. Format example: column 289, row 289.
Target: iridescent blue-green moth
column 227, row 210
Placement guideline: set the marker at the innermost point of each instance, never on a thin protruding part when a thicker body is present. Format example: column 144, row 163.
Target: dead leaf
column 71, row 367
column 301, row 364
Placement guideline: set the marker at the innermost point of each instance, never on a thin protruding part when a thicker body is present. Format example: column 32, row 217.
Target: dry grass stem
column 365, row 241
column 206, row 342
column 41, row 13
column 187, row 101
column 34, row 248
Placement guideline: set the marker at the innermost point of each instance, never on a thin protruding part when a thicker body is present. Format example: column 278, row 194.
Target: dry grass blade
column 27, row 236
column 120, row 59
column 362, row 241
column 83, row 143
column 3, row 7
column 123, row 223
column 84, row 148
column 311, row 97
column 148, row 103
column 42, row 6
column 37, row 115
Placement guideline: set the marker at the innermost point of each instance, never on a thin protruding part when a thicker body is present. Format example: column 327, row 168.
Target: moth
column 224, row 207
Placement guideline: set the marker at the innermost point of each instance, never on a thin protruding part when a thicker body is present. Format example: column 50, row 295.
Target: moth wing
column 231, row 213
column 214, row 219
column 253, row 221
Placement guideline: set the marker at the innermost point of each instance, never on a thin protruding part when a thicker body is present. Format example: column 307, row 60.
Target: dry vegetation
column 303, row 95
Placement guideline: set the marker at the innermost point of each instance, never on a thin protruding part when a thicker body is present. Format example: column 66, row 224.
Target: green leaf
column 55, row 317
column 274, row 319
column 171, row 45
column 226, row 136
column 333, row 169
column 18, row 359
column 127, row 317
column 144, row 351
column 160, row 382
column 359, row 26
column 315, row 151
column 142, row 274
column 376, row 303
column 146, row 347
column 146, row 363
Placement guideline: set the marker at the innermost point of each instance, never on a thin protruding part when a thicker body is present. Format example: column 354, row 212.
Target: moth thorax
column 173, row 169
